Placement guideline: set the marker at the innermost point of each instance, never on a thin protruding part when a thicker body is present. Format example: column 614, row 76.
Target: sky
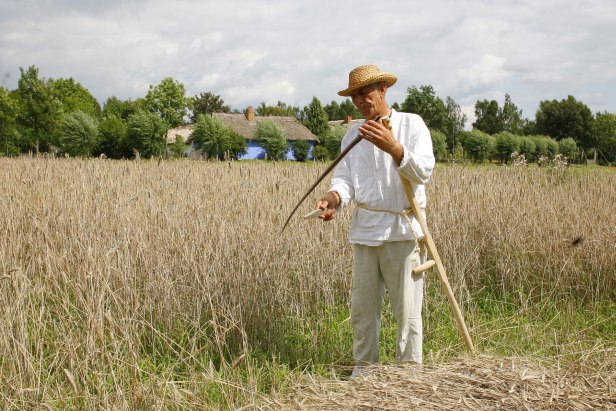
column 250, row 52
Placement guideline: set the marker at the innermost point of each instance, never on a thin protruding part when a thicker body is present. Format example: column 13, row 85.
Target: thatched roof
column 293, row 129
column 182, row 131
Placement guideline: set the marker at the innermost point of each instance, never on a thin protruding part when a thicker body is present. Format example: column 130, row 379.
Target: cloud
column 248, row 52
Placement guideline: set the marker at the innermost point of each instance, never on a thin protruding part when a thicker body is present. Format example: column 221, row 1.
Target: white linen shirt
column 369, row 176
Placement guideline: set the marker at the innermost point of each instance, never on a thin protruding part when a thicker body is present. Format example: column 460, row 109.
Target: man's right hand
column 328, row 202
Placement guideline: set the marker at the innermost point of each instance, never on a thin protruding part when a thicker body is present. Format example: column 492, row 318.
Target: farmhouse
column 245, row 124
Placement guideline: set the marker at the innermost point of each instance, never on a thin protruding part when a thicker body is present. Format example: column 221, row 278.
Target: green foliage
column 315, row 118
column 439, row 144
column 272, row 138
column 487, row 116
column 432, row 109
column 39, row 111
column 604, row 130
column 216, row 140
column 78, row 134
column 567, row 147
column 168, row 100
column 123, row 108
column 112, row 138
column 145, row 133
column 301, row 150
column 74, row 96
column 566, row 118
column 337, row 111
column 454, row 123
column 8, row 123
column 207, row 103
column 527, row 147
column 177, row 148
column 541, row 146
column 333, row 139
column 478, row 145
column 280, row 109
column 505, row 145
column 552, row 147
column 320, row 153
column 333, row 111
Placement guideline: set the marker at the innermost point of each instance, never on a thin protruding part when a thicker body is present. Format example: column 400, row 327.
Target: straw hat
column 365, row 75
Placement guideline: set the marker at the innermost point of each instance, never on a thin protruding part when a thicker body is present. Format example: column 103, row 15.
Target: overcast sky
column 254, row 51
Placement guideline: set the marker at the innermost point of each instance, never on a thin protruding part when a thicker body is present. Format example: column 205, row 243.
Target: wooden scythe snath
column 429, row 242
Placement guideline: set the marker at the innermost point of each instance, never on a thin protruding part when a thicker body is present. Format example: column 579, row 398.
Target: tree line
column 61, row 116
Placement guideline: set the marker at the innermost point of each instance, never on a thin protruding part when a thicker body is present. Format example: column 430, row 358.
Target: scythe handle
column 408, row 190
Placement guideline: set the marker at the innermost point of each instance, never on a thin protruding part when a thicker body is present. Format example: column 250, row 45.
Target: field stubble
column 140, row 284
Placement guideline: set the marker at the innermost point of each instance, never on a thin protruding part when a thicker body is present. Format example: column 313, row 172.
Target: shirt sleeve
column 418, row 158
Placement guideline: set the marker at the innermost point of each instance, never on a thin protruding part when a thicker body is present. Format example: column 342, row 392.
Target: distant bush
column 78, row 134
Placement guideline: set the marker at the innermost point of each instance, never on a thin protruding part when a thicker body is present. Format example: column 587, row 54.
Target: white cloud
column 248, row 52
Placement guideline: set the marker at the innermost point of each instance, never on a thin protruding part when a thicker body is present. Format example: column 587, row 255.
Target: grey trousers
column 376, row 268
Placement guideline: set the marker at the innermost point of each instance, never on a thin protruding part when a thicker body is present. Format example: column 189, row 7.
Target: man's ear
column 382, row 88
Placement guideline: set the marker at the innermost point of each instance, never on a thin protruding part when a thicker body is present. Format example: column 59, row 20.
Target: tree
column 280, row 109
column 315, row 118
column 567, row 147
column 112, row 138
column 301, row 150
column 216, row 140
column 333, row 111
column 123, row 109
column 8, row 123
column 505, row 144
column 604, row 131
column 272, row 138
column 439, row 144
column 566, row 118
column 145, row 133
column 432, row 109
column 455, row 122
column 488, row 118
column 332, row 140
column 39, row 111
column 78, row 134
column 73, row 96
column 347, row 108
column 511, row 117
column 168, row 100
column 477, row 144
column 207, row 103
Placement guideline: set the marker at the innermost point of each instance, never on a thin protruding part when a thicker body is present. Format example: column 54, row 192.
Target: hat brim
column 388, row 78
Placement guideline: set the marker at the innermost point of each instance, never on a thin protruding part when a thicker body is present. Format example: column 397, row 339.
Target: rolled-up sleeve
column 418, row 159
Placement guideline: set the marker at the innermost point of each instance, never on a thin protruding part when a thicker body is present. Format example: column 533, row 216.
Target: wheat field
column 145, row 284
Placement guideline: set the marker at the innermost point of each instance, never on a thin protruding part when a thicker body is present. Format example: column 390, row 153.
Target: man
column 383, row 232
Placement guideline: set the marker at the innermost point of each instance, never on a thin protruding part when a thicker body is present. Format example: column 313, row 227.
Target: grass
column 154, row 284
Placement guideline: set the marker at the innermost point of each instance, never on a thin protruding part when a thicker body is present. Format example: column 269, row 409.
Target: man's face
column 369, row 100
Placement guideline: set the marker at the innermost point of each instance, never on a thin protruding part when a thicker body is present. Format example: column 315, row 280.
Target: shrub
column 320, row 153
column 333, row 139
column 301, row 149
column 477, row 144
column 272, row 138
column 145, row 133
column 112, row 137
column 439, row 144
column 505, row 145
column 567, row 147
column 78, row 134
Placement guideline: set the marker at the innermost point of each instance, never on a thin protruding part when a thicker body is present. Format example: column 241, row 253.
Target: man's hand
column 382, row 137
column 328, row 202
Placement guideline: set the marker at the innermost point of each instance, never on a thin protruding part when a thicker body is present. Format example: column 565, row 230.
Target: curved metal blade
column 322, row 176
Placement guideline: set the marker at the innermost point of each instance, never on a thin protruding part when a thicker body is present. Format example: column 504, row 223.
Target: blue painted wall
column 256, row 152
